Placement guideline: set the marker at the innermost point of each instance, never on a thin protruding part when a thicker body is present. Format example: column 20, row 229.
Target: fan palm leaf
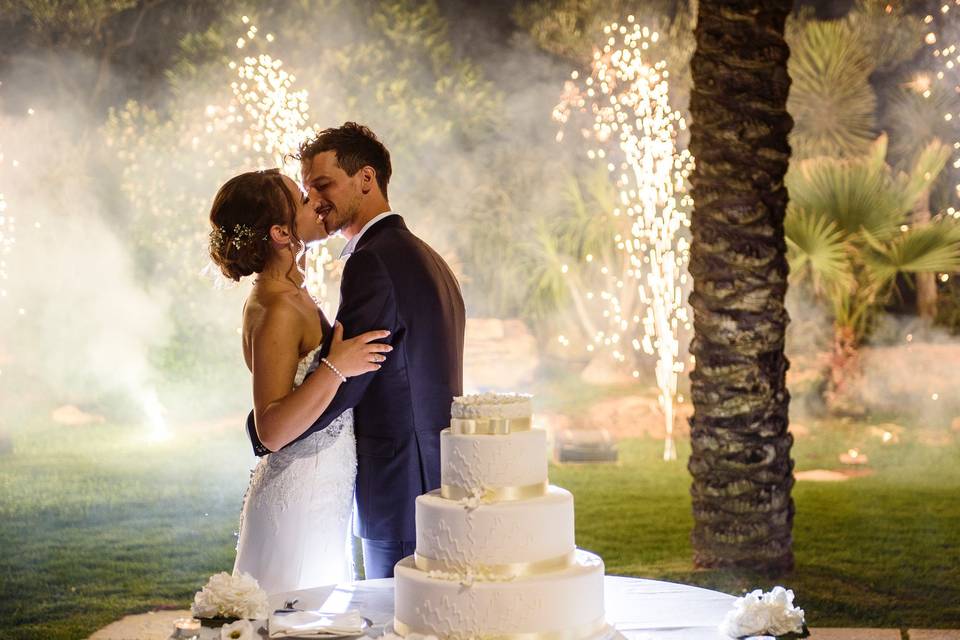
column 831, row 100
column 924, row 249
column 817, row 250
column 547, row 288
column 589, row 227
column 855, row 194
column 928, row 165
column 913, row 120
column 845, row 228
column 890, row 34
column 863, row 194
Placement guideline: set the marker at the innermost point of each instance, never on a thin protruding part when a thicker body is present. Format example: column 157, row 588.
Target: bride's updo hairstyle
column 243, row 211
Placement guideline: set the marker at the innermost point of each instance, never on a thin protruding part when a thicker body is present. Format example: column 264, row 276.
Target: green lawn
column 95, row 524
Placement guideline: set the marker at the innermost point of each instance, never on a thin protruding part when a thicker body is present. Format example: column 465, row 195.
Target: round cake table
column 639, row 609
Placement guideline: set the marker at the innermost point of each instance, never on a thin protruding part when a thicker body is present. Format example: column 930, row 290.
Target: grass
column 96, row 524
column 876, row 551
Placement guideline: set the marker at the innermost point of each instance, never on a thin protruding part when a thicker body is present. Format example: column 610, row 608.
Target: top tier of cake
column 492, row 406
column 490, row 451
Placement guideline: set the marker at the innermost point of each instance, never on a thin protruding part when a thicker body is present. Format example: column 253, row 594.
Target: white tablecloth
column 639, row 609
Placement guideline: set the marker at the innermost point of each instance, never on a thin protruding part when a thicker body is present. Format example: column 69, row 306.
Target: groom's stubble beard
column 338, row 220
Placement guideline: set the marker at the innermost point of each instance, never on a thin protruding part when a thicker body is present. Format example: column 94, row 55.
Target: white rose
column 749, row 616
column 239, row 630
column 231, row 595
column 784, row 617
column 759, row 613
column 202, row 606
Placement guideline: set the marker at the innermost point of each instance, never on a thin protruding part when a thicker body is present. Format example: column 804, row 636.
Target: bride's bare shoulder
column 262, row 311
column 272, row 318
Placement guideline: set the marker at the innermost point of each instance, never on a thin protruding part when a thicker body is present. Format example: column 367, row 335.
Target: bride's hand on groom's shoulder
column 360, row 354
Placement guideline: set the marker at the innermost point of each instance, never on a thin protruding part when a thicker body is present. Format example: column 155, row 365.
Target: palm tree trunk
column 844, row 373
column 926, row 282
column 741, row 466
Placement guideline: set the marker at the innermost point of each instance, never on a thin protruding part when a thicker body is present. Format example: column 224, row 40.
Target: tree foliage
column 849, row 234
column 832, row 65
column 94, row 53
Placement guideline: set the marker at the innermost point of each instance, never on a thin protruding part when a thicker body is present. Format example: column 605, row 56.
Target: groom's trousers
column 379, row 556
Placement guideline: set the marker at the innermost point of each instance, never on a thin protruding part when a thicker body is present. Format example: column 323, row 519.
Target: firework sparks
column 259, row 118
column 634, row 132
column 275, row 113
column 256, row 119
column 277, row 116
column 947, row 62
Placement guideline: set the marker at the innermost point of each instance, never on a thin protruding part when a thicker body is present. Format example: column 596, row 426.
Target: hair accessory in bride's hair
column 241, row 236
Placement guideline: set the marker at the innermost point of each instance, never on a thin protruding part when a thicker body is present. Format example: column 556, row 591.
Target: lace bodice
column 305, row 366
column 315, row 442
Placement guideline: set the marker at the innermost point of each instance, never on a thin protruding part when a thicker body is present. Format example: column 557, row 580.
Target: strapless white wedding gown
column 295, row 528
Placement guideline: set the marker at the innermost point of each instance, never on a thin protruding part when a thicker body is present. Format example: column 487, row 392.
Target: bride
column 295, row 524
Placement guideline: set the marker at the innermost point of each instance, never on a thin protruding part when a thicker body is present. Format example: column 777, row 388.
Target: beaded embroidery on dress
column 295, row 526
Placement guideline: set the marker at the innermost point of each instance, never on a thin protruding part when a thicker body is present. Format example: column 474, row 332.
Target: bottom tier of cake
column 560, row 605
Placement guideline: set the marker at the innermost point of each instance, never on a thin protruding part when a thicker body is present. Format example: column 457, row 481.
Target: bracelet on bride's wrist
column 336, row 371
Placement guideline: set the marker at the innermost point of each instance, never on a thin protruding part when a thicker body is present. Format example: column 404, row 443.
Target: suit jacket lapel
column 390, row 222
column 394, row 222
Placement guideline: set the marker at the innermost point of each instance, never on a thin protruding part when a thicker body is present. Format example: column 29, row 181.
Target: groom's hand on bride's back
column 358, row 355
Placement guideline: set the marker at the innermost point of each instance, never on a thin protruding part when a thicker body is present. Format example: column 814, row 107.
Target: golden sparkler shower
column 634, row 131
column 947, row 60
column 277, row 115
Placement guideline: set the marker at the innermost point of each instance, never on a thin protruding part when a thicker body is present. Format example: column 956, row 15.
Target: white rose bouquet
column 765, row 614
column 230, row 596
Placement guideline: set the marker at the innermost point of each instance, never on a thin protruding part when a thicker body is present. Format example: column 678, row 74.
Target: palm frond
column 929, row 163
column 855, row 194
column 929, row 248
column 589, row 227
column 913, row 121
column 817, row 250
column 831, row 100
column 888, row 32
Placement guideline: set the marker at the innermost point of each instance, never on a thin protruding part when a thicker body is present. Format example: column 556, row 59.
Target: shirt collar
column 351, row 245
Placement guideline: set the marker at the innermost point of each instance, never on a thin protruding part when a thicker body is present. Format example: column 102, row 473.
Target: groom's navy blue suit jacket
column 395, row 281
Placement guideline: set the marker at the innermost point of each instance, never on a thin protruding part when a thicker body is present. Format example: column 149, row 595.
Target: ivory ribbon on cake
column 489, row 426
column 496, row 494
column 579, row 633
column 501, row 571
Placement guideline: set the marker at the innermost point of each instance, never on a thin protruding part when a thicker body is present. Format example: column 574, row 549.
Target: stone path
column 854, row 634
column 157, row 625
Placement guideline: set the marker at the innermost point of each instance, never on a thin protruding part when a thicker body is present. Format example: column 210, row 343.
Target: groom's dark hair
column 355, row 147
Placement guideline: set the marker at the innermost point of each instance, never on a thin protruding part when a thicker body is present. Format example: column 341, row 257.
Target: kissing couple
column 344, row 413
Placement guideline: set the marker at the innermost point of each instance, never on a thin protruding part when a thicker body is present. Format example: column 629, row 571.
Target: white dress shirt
column 351, row 245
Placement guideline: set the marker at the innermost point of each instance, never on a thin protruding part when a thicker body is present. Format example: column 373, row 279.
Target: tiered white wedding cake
column 496, row 556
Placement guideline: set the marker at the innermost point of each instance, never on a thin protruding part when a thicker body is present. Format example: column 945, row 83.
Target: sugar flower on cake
column 759, row 613
column 230, row 596
column 472, row 501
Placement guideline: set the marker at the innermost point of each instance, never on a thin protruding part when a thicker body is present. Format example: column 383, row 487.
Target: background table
column 639, row 609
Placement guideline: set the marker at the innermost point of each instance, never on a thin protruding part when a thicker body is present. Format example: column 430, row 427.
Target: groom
column 392, row 280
